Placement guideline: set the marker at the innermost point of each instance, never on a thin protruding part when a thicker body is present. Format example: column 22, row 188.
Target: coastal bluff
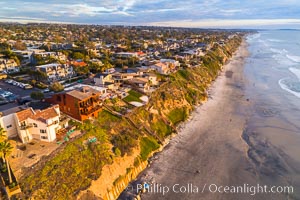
column 134, row 136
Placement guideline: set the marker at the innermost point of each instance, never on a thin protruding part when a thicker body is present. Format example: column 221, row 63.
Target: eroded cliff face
column 94, row 171
column 168, row 105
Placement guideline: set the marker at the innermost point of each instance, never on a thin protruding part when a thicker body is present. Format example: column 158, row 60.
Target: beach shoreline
column 217, row 122
column 221, row 144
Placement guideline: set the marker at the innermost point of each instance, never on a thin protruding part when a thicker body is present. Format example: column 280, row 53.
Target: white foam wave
column 280, row 51
column 254, row 36
column 294, row 58
column 283, row 60
column 295, row 71
column 275, row 40
column 286, row 88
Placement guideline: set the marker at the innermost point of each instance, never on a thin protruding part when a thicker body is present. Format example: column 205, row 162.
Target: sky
column 177, row 13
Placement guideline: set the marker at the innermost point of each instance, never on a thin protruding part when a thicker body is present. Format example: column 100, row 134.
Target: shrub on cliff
column 147, row 145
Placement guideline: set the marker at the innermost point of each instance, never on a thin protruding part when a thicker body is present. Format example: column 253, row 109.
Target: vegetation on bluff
column 73, row 168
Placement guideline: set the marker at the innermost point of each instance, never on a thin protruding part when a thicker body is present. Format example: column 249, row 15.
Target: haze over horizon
column 192, row 13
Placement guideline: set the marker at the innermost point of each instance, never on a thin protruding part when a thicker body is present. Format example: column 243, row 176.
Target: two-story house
column 56, row 71
column 161, row 68
column 31, row 124
column 8, row 65
column 38, row 124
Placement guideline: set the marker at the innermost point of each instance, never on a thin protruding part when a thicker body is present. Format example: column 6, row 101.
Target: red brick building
column 81, row 104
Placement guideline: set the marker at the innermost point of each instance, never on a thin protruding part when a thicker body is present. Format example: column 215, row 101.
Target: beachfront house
column 38, row 124
column 80, row 103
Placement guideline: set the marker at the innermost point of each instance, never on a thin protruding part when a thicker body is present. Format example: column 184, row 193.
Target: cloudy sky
column 186, row 13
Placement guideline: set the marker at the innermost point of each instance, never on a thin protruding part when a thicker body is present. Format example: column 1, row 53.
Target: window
column 42, row 130
column 34, row 125
column 44, row 137
column 9, row 126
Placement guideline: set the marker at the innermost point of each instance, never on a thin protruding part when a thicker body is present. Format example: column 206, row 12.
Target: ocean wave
column 293, row 58
column 253, row 37
column 283, row 60
column 295, row 71
column 293, row 88
column 279, row 51
column 275, row 40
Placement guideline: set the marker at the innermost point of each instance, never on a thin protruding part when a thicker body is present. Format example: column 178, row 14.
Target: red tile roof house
column 38, row 124
column 78, row 63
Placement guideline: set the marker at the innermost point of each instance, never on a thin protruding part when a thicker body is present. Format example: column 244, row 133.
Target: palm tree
column 3, row 135
column 5, row 150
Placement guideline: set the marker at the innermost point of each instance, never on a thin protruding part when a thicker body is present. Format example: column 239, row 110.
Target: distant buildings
column 56, row 71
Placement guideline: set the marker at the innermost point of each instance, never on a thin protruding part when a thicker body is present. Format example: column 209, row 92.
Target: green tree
column 56, row 87
column 37, row 95
column 81, row 70
column 5, row 150
column 3, row 136
column 77, row 55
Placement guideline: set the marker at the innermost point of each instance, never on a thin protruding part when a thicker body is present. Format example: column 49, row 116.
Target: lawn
column 133, row 96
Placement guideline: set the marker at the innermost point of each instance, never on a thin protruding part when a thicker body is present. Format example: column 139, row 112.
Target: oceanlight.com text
column 190, row 188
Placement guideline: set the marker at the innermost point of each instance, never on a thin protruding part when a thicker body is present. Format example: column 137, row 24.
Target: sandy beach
column 214, row 147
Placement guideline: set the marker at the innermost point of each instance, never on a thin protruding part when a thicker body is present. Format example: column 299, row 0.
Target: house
column 38, row 124
column 78, row 63
column 105, row 80
column 110, row 70
column 171, row 62
column 96, row 62
column 7, row 121
column 152, row 78
column 121, row 77
column 31, row 124
column 161, row 68
column 8, row 65
column 141, row 84
column 47, row 55
column 80, row 103
column 56, row 71
column 26, row 55
column 125, row 55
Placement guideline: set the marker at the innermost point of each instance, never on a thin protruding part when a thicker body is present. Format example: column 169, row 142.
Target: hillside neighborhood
column 54, row 77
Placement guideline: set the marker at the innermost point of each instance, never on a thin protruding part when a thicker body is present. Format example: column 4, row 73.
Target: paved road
column 15, row 90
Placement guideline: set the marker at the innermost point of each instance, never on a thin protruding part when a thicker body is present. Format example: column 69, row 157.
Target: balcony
column 90, row 111
column 25, row 127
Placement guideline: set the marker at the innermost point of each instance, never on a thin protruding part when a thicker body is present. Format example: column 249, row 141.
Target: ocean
column 278, row 51
column 272, row 73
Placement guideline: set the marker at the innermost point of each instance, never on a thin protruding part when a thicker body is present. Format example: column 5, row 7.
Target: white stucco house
column 30, row 124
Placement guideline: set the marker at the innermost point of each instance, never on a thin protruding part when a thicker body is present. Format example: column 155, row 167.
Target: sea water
column 279, row 52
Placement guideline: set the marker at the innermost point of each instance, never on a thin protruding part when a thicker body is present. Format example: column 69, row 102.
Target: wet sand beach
column 220, row 146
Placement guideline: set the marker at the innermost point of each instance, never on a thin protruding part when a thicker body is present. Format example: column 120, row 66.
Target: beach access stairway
column 143, row 127
column 111, row 111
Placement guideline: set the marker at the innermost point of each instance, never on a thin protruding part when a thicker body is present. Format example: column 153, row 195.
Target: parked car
column 23, row 101
column 27, row 86
column 46, row 90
